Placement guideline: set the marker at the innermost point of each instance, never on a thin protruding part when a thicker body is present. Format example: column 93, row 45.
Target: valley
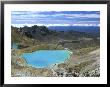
column 83, row 62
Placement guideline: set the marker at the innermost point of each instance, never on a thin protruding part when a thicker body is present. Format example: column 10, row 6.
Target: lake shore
column 66, row 69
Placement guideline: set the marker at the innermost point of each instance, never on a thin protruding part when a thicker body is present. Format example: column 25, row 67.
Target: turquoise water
column 44, row 58
column 14, row 46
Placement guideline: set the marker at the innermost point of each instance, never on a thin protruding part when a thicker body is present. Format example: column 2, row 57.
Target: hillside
column 36, row 35
column 83, row 62
column 17, row 37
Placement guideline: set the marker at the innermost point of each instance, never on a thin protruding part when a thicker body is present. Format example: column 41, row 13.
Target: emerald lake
column 45, row 58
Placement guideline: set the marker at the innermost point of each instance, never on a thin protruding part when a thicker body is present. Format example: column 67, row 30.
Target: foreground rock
column 84, row 66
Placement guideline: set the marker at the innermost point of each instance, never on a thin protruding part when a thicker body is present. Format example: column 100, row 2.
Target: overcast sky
column 48, row 18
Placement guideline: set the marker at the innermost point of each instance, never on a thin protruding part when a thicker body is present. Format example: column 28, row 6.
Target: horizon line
column 47, row 25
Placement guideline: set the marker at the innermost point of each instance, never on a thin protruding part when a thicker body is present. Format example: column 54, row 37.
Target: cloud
column 77, row 15
column 86, row 18
column 85, row 25
column 29, row 25
column 35, row 14
column 82, row 16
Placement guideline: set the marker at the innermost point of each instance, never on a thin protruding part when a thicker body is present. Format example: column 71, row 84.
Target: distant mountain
column 52, row 33
column 86, row 29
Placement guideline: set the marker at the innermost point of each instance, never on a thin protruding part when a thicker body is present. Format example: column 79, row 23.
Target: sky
column 55, row 18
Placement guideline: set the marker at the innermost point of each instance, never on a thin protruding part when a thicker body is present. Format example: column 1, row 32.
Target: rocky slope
column 87, row 65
